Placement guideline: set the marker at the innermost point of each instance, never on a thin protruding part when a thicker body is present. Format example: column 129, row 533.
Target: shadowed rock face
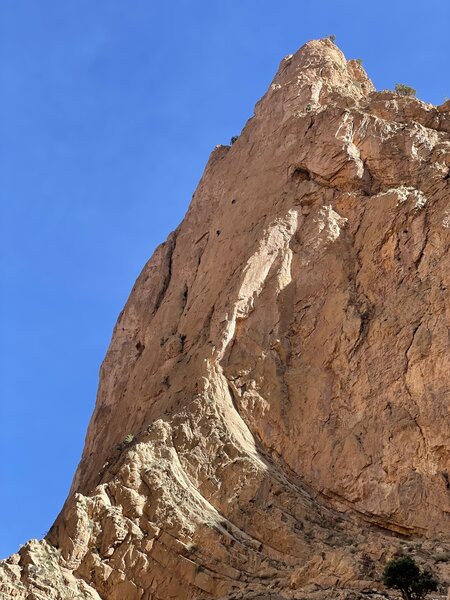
column 282, row 363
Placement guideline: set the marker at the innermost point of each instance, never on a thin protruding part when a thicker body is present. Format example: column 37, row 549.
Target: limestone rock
column 282, row 363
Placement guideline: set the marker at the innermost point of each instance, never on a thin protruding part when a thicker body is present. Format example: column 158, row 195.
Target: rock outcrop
column 282, row 367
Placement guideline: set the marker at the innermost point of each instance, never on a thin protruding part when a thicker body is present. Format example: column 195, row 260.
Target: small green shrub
column 233, row 139
column 125, row 442
column 128, row 439
column 404, row 575
column 332, row 38
column 359, row 61
column 404, row 90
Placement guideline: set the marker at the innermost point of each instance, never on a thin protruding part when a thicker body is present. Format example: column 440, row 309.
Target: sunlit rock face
column 282, row 367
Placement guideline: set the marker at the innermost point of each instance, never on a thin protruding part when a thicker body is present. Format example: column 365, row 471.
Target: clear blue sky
column 109, row 110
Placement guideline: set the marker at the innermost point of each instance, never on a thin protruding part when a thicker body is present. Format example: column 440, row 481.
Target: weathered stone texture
column 283, row 365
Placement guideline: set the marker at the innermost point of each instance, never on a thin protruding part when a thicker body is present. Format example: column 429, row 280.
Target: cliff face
column 282, row 363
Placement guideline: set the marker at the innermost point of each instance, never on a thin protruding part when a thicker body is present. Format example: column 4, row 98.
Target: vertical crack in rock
column 168, row 268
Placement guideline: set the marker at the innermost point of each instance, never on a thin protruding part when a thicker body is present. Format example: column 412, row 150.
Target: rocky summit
column 272, row 420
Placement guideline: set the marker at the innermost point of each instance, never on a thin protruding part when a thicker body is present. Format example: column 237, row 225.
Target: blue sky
column 108, row 112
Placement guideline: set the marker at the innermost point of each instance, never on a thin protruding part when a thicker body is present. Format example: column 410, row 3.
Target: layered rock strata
column 282, row 365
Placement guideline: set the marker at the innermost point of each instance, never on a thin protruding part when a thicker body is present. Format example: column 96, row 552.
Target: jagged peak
column 317, row 74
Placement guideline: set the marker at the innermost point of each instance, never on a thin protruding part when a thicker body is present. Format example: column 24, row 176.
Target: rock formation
column 281, row 365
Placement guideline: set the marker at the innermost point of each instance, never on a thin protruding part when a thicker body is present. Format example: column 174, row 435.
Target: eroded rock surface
column 282, row 363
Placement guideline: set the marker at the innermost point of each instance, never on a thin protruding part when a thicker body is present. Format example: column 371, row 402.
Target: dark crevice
column 184, row 297
column 413, row 335
column 201, row 237
column 168, row 276
column 424, row 245
column 233, row 399
column 311, row 124
column 301, row 174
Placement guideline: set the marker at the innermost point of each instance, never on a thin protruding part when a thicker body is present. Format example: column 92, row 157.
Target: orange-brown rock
column 283, row 365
